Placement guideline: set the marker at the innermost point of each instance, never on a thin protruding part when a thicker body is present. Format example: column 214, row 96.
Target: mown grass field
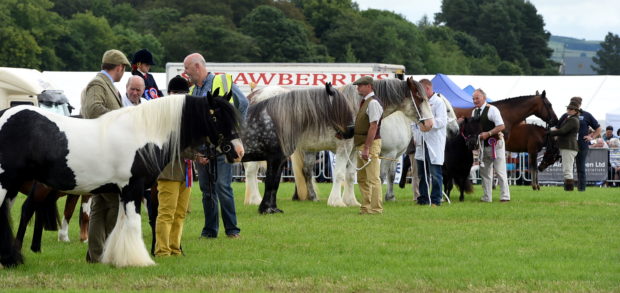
column 547, row 241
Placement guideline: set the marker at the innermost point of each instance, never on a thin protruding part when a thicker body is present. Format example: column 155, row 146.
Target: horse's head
column 469, row 129
column 545, row 110
column 224, row 119
column 343, row 124
column 551, row 155
column 420, row 102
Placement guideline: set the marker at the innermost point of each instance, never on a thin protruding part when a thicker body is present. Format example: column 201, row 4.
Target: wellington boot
column 569, row 184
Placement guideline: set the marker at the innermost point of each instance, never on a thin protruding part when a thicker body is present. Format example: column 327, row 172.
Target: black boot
column 569, row 184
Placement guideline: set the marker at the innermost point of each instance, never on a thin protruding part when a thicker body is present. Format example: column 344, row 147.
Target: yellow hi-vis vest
column 224, row 83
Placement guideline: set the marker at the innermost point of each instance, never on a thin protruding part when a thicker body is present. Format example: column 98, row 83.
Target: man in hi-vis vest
column 222, row 193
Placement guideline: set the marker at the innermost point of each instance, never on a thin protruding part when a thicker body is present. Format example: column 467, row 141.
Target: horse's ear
column 537, row 93
column 216, row 92
column 228, row 96
column 544, row 94
column 329, row 89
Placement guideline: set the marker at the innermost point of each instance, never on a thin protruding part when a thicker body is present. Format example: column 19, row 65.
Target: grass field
column 546, row 241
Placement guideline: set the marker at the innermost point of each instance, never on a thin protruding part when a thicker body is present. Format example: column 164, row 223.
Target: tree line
column 484, row 37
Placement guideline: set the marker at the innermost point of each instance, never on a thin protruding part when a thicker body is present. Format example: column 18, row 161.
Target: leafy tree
column 87, row 38
column 218, row 42
column 322, row 14
column 19, row 48
column 157, row 20
column 513, row 27
column 607, row 58
column 280, row 39
column 130, row 41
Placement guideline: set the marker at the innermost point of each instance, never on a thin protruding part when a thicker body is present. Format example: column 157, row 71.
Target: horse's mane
column 308, row 112
column 157, row 121
column 512, row 100
column 390, row 91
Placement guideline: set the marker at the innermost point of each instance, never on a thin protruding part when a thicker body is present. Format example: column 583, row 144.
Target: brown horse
column 41, row 203
column 514, row 111
column 532, row 138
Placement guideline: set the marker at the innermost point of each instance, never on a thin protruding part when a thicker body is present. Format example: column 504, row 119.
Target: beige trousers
column 369, row 181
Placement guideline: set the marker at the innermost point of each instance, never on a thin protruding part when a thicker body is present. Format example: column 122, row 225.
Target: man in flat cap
column 99, row 97
column 586, row 121
column 367, row 139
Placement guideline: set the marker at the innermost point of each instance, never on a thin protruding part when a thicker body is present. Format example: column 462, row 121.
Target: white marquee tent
column 601, row 94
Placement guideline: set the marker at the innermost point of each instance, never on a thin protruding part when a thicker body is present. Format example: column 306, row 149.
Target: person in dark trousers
column 215, row 176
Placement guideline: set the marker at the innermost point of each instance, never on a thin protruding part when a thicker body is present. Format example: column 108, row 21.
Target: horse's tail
column 10, row 254
column 48, row 211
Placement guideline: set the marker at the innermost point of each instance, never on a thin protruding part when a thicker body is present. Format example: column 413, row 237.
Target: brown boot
column 569, row 184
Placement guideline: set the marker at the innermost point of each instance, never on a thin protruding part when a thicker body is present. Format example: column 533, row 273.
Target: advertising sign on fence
column 596, row 167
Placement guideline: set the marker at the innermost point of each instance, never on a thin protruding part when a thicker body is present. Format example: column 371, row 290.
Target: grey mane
column 307, row 112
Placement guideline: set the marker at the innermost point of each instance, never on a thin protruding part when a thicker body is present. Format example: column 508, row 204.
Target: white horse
column 396, row 95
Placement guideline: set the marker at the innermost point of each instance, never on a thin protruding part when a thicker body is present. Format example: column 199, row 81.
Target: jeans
column 581, row 167
column 437, row 181
column 223, row 197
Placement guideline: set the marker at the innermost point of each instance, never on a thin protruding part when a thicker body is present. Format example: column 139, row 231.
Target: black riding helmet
column 143, row 56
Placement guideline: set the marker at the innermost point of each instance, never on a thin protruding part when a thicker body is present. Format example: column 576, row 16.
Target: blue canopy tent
column 459, row 98
column 469, row 89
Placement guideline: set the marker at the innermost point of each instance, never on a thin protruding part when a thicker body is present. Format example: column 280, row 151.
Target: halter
column 549, row 111
column 420, row 118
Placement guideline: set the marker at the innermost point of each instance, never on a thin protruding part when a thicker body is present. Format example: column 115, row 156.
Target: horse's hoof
column 390, row 198
column 336, row 203
column 271, row 211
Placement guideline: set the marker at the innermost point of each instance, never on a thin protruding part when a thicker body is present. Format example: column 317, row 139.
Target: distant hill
column 575, row 54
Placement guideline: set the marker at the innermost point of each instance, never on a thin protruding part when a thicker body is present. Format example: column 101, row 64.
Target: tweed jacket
column 567, row 133
column 99, row 97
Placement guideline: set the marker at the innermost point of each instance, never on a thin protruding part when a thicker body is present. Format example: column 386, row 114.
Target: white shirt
column 494, row 115
column 127, row 102
column 374, row 110
column 435, row 139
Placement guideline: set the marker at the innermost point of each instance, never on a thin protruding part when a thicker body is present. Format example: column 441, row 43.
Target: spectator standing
column 430, row 146
column 99, row 97
column 221, row 193
column 614, row 160
column 174, row 189
column 609, row 133
column 493, row 149
column 141, row 65
column 134, row 91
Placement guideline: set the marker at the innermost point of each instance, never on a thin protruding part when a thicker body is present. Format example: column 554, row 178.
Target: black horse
column 459, row 157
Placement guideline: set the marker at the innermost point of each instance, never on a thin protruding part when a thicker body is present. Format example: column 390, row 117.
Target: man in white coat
column 430, row 148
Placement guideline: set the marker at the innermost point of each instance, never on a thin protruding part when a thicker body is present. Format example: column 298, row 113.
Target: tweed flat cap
column 114, row 57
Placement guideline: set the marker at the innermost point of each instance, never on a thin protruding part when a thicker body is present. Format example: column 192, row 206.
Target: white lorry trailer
column 295, row 75
column 21, row 86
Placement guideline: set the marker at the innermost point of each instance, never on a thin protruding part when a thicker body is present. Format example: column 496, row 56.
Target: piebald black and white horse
column 276, row 126
column 121, row 152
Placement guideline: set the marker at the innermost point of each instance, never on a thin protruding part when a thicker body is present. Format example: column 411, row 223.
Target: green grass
column 546, row 241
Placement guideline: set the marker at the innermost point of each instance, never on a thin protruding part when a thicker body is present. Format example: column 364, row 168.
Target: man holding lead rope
column 493, row 155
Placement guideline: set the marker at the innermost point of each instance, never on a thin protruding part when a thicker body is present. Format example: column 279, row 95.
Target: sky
column 580, row 19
